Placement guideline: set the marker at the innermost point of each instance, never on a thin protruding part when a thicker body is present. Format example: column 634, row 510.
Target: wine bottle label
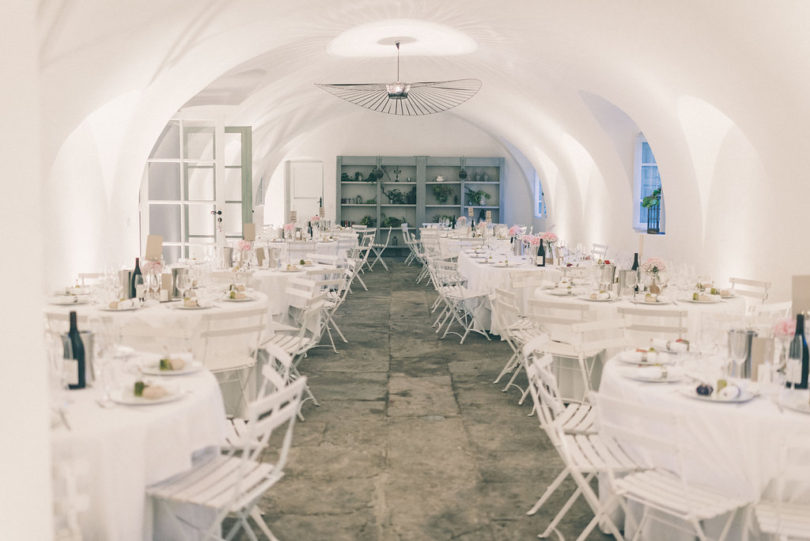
column 71, row 368
column 793, row 371
column 540, row 260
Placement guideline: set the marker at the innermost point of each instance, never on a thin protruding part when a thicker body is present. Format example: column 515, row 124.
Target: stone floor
column 412, row 440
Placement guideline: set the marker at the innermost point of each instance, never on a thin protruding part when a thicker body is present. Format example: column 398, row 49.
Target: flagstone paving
column 412, row 441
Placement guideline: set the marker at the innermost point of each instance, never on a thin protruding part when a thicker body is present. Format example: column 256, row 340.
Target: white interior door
column 304, row 188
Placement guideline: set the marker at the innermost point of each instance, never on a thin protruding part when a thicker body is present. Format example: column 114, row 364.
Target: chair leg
column 259, row 520
column 508, row 367
column 561, row 513
column 549, row 491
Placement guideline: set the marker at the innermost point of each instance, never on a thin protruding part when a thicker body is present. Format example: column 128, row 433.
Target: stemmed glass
column 738, row 350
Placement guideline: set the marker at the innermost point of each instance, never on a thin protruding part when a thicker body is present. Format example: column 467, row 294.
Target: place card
column 800, row 293
column 166, row 282
column 470, row 212
column 489, row 215
column 249, row 232
column 154, row 247
column 322, row 212
column 761, row 352
column 293, row 216
column 260, row 256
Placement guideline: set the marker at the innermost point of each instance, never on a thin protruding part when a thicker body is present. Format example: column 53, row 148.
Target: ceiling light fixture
column 406, row 99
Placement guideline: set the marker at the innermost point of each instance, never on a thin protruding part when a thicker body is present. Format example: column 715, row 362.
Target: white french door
column 197, row 188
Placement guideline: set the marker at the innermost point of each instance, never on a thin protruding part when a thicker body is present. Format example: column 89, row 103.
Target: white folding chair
column 275, row 376
column 515, row 329
column 645, row 324
column 755, row 290
column 585, row 454
column 668, row 495
column 233, row 483
column 378, row 248
column 776, row 515
column 230, row 347
column 574, row 335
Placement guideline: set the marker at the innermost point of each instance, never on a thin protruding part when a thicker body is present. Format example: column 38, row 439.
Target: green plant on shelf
column 652, row 200
column 440, row 218
column 371, row 202
column 392, row 222
column 368, row 221
column 476, row 197
column 442, row 192
column 344, row 177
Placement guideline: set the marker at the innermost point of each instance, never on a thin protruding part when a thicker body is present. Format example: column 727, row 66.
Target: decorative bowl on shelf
column 440, row 179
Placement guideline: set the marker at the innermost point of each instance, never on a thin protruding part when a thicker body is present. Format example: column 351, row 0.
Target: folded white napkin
column 669, row 345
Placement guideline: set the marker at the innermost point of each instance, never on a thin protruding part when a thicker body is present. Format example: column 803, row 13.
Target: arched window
column 539, row 198
column 648, row 196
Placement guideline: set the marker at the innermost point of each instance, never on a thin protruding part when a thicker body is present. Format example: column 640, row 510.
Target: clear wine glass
column 738, row 350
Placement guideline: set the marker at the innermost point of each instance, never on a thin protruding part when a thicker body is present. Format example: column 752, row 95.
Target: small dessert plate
column 744, row 396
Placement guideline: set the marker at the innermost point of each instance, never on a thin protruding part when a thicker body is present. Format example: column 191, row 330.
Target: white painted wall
column 25, row 500
column 365, row 133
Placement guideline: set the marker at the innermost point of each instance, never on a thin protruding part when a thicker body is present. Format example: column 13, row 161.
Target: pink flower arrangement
column 289, row 227
column 245, row 245
column 549, row 237
column 514, row 230
column 315, row 218
column 150, row 266
column 784, row 328
column 654, row 265
column 533, row 240
column 462, row 221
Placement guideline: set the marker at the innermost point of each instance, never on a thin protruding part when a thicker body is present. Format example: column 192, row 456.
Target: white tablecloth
column 178, row 329
column 273, row 283
column 127, row 448
column 735, row 447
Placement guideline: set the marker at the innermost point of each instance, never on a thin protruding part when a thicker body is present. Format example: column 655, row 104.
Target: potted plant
column 441, row 192
column 476, row 197
column 652, row 203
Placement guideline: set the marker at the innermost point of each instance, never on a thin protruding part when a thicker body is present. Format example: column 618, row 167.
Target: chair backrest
column 276, row 373
column 793, row 469
column 230, row 339
column 543, row 386
column 644, row 324
column 752, row 289
column 573, row 324
column 266, row 415
column 68, row 501
column 386, row 235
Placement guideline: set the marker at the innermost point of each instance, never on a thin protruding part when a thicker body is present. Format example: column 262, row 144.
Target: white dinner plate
column 649, row 303
column 246, row 299
column 563, row 293
column 127, row 309
column 647, row 377
column 662, row 358
column 292, row 270
column 712, row 301
column 152, row 368
column 588, row 298
column 127, row 397
column 745, row 396
column 67, row 300
column 182, row 307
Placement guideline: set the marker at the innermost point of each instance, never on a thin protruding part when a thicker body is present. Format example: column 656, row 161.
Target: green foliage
column 368, row 221
column 474, row 196
column 652, row 200
column 442, row 192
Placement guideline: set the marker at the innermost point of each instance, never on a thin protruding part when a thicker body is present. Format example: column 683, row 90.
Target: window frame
column 638, row 165
column 540, row 208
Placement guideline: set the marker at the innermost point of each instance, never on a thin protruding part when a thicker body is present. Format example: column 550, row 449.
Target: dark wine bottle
column 635, row 262
column 309, row 229
column 74, row 363
column 798, row 351
column 541, row 255
column 133, row 280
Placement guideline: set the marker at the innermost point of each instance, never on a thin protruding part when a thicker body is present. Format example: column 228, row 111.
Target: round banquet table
column 170, row 327
column 734, row 447
column 292, row 251
column 126, row 448
column 273, row 283
column 487, row 277
column 451, row 246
